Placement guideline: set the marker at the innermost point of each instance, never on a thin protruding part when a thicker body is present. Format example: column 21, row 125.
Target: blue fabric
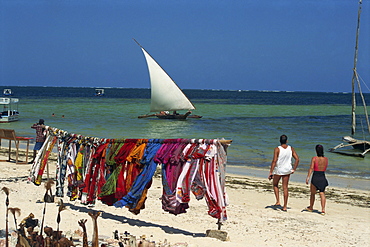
column 144, row 177
column 38, row 145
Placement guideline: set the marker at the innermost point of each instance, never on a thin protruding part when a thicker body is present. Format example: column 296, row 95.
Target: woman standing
column 319, row 182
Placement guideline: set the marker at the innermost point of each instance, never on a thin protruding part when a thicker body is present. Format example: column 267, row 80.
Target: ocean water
column 253, row 120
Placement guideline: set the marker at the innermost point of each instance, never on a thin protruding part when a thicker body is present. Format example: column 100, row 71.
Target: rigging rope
column 363, row 82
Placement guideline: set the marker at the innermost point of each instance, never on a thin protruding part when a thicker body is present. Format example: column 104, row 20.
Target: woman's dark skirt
column 319, row 180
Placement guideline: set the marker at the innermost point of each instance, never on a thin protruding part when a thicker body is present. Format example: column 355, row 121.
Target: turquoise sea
column 253, row 120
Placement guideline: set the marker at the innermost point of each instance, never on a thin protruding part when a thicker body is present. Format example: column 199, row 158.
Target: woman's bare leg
column 323, row 201
column 312, row 196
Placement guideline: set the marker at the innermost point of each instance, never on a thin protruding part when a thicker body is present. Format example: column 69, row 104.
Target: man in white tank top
column 281, row 167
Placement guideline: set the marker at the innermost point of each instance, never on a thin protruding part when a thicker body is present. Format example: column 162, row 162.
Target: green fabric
column 113, row 150
column 109, row 187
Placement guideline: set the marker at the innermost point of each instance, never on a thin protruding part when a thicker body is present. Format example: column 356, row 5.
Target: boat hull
column 363, row 146
column 172, row 116
column 7, row 119
column 194, row 116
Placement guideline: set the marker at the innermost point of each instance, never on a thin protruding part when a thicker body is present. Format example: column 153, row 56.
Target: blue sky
column 300, row 45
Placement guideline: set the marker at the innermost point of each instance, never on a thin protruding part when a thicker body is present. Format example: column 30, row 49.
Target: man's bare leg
column 275, row 184
column 285, row 181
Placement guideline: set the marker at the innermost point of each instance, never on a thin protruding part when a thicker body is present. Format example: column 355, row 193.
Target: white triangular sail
column 165, row 94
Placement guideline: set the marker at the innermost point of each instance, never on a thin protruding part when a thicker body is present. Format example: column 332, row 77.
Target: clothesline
column 119, row 172
column 62, row 134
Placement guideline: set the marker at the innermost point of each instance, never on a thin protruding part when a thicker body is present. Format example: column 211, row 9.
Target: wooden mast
column 356, row 79
column 354, row 76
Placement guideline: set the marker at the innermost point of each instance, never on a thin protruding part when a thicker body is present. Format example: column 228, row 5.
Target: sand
column 252, row 221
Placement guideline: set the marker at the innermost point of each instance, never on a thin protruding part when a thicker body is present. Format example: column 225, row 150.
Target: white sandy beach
column 251, row 219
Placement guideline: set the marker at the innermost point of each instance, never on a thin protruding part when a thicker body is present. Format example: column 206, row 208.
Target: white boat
column 166, row 97
column 99, row 92
column 9, row 112
column 7, row 92
column 361, row 147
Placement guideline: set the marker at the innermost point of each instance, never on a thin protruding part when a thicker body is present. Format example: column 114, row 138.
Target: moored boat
column 99, row 92
column 361, row 147
column 9, row 109
column 7, row 92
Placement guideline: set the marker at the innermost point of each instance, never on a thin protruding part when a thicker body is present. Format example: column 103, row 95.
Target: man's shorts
column 38, row 145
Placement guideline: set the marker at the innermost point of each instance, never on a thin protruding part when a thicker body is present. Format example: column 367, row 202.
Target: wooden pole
column 219, row 223
column 47, row 170
column 145, row 116
column 227, row 142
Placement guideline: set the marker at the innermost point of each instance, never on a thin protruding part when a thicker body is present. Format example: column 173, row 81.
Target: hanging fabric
column 136, row 197
column 119, row 172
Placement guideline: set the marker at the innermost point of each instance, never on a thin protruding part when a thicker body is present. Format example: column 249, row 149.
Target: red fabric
column 24, row 138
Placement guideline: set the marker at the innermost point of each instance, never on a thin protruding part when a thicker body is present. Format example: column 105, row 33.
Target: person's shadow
column 313, row 211
column 276, row 207
column 135, row 222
